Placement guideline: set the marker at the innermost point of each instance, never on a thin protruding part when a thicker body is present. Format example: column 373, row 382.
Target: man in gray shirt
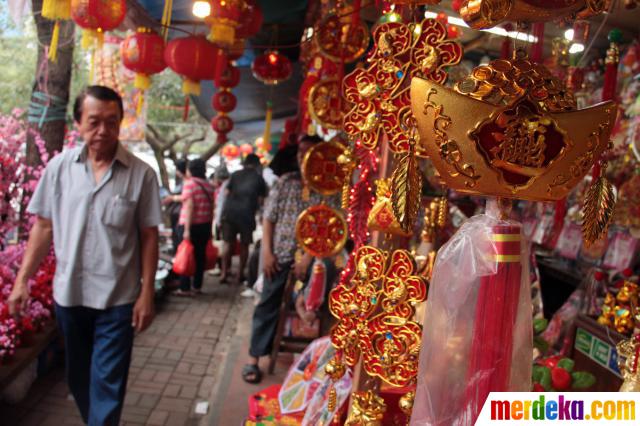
column 100, row 205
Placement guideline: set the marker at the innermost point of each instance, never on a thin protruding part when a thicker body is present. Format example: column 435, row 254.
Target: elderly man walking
column 100, row 205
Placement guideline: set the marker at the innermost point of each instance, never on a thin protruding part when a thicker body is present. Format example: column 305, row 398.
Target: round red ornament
column 251, row 20
column 224, row 101
column 224, row 21
column 230, row 77
column 271, row 68
column 96, row 17
column 230, row 151
column 143, row 53
column 222, row 123
column 194, row 58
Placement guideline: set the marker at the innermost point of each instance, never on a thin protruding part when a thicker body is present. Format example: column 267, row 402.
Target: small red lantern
column 246, row 149
column 230, row 151
column 251, row 21
column 222, row 124
column 271, row 68
column 224, row 20
column 96, row 17
column 224, row 101
column 194, row 58
column 143, row 53
column 230, row 77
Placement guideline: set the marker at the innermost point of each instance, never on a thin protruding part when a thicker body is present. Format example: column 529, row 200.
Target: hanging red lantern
column 230, row 77
column 222, row 124
column 230, row 151
column 143, row 53
column 96, row 17
column 246, row 149
column 224, row 20
column 271, row 68
column 224, row 101
column 236, row 51
column 194, row 58
column 251, row 21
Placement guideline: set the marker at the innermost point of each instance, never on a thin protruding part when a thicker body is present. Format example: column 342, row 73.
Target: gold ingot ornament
column 367, row 409
column 510, row 129
column 629, row 356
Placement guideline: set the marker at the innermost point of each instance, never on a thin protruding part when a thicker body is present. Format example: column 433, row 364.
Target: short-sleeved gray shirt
column 96, row 226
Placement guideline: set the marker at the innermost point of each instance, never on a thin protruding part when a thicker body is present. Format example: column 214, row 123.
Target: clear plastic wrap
column 477, row 335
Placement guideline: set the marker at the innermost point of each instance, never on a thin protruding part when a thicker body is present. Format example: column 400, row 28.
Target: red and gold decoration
column 510, row 129
column 224, row 20
column 380, row 92
column 55, row 10
column 96, row 17
column 271, row 68
column 230, row 151
column 224, row 101
column 321, row 169
column 489, row 13
column 325, row 103
column 193, row 58
column 629, row 353
column 143, row 53
column 321, row 231
column 341, row 38
column 381, row 217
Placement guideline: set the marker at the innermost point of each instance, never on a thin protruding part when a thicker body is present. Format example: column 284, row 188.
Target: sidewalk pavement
column 193, row 352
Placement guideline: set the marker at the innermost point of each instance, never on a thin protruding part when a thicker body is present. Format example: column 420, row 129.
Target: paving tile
column 158, row 418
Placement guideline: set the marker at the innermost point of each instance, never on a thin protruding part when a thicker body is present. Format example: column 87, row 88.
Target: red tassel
column 610, row 81
column 185, row 113
column 317, row 286
column 537, row 49
column 505, row 51
column 496, row 311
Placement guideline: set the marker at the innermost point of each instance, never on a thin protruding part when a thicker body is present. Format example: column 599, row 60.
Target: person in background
column 195, row 222
column 244, row 194
column 282, row 208
column 221, row 180
column 100, row 206
column 172, row 202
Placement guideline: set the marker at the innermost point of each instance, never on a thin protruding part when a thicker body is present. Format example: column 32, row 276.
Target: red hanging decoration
column 246, row 149
column 271, row 68
column 251, row 22
column 222, row 124
column 537, row 49
column 192, row 57
column 96, row 17
column 611, row 66
column 224, row 101
column 230, row 78
column 224, row 20
column 362, row 196
column 230, row 151
column 143, row 53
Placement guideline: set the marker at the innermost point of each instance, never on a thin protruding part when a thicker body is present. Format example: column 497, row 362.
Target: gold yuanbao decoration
column 629, row 350
column 367, row 409
column 528, row 141
column 406, row 402
column 598, row 207
column 489, row 13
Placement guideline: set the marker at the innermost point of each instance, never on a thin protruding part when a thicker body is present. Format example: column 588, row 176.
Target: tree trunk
column 52, row 80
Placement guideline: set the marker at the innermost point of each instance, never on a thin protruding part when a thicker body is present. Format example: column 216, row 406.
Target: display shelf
column 593, row 349
column 25, row 355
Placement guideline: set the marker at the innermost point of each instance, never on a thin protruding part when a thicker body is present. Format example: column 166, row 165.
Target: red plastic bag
column 211, row 255
column 184, row 263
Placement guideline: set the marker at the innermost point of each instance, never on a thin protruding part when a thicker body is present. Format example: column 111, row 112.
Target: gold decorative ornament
column 511, row 130
column 480, row 14
column 406, row 191
column 339, row 39
column 321, row 231
column 321, row 170
column 367, row 409
column 406, row 402
column 326, row 105
column 382, row 217
column 598, row 207
column 348, row 162
column 629, row 358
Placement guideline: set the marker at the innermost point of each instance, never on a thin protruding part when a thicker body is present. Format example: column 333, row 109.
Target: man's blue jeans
column 98, row 345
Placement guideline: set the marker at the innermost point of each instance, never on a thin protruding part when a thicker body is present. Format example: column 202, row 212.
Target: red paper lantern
column 230, row 151
column 224, row 21
column 143, row 53
column 224, row 101
column 222, row 124
column 246, row 149
column 271, row 68
column 96, row 17
column 230, row 77
column 194, row 58
column 236, row 51
column 251, row 20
